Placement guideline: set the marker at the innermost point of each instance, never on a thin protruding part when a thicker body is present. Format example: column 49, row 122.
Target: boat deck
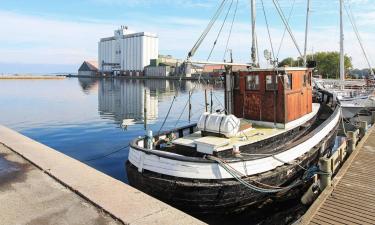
column 351, row 200
column 258, row 132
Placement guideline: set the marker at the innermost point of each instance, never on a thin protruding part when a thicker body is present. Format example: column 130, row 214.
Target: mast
column 306, row 33
column 254, row 46
column 342, row 56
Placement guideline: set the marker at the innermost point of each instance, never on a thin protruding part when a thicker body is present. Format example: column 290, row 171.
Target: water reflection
column 124, row 101
column 81, row 117
column 88, row 84
column 120, row 99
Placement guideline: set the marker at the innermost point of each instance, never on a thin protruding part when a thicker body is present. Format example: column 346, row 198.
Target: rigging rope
column 207, row 30
column 183, row 110
column 221, row 29
column 281, row 13
column 166, row 117
column 268, row 31
column 355, row 28
column 230, row 30
column 282, row 39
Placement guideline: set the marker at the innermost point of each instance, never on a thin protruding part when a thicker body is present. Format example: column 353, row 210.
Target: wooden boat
column 280, row 138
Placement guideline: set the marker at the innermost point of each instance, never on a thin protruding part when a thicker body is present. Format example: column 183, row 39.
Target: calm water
column 82, row 117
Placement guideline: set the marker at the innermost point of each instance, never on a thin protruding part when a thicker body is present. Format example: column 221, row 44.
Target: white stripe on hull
column 211, row 170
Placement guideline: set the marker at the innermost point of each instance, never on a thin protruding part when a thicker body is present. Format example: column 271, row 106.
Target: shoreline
column 31, row 77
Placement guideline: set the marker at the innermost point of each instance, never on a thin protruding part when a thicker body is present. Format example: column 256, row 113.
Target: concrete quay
column 39, row 185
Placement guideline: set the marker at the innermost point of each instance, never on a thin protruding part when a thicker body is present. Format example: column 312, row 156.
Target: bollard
column 325, row 178
column 362, row 128
column 311, row 194
column 372, row 117
column 351, row 141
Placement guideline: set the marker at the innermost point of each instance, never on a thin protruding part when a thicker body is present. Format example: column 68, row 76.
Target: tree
column 288, row 62
column 327, row 63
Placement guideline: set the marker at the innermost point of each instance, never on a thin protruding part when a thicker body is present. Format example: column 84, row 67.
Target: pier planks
column 352, row 198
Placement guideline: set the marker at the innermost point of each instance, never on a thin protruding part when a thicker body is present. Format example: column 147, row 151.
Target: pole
column 205, row 100
column 254, row 56
column 342, row 56
column 189, row 106
column 306, row 33
column 145, row 109
column 212, row 103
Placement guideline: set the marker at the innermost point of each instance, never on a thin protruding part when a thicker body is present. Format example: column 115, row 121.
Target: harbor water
column 83, row 117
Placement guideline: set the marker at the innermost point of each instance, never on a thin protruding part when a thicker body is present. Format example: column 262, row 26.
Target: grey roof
column 88, row 66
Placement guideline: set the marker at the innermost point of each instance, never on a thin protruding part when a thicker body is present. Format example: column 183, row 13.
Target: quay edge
column 116, row 198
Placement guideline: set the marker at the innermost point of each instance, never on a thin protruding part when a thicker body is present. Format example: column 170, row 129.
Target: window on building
column 271, row 82
column 252, row 82
column 288, row 81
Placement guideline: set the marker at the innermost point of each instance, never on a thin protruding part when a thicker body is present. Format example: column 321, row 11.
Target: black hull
column 223, row 196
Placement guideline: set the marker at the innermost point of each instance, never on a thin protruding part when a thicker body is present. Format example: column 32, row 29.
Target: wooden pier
column 351, row 198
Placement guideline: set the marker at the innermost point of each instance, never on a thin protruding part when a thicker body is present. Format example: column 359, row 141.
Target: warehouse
column 127, row 53
column 88, row 68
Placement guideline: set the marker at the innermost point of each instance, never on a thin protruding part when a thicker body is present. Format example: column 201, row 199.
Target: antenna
column 268, row 55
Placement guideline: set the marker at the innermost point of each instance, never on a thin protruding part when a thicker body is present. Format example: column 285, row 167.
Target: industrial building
column 127, row 53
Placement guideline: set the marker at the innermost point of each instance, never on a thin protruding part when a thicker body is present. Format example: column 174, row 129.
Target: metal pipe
column 145, row 109
column 189, row 106
column 205, row 100
column 342, row 56
column 254, row 57
column 212, row 103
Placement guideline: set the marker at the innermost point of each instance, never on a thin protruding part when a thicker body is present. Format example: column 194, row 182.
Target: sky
column 56, row 36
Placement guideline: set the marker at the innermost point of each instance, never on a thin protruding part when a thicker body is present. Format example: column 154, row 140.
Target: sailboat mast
column 342, row 56
column 254, row 46
column 306, row 33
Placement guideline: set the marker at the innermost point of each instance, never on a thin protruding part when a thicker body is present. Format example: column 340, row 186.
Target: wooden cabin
column 277, row 95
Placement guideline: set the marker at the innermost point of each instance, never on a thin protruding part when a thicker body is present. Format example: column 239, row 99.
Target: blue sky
column 57, row 35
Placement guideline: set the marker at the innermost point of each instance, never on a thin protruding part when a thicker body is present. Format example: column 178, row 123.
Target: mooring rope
column 235, row 174
column 106, row 155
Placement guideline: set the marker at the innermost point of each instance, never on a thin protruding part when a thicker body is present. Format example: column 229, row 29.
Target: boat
column 353, row 95
column 353, row 99
column 266, row 145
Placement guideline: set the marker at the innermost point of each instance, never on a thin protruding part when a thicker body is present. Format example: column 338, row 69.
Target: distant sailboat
column 353, row 96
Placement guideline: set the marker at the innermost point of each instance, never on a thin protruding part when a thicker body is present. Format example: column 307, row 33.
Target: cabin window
column 271, row 82
column 288, row 81
column 304, row 80
column 236, row 81
column 252, row 82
